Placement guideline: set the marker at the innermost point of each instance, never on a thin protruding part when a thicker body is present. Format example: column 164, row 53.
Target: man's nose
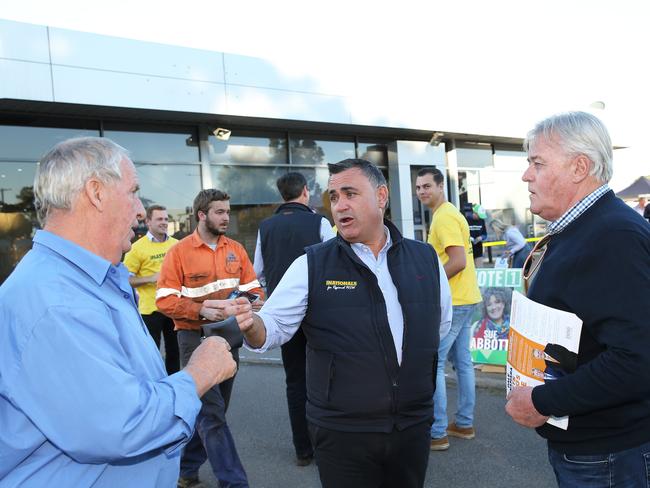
column 526, row 176
column 140, row 210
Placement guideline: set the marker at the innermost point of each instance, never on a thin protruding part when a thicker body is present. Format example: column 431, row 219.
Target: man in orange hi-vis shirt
column 196, row 278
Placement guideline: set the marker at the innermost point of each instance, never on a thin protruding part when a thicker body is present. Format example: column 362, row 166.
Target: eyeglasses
column 534, row 259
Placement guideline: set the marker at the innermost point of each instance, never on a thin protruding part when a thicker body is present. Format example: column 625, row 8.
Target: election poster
column 491, row 320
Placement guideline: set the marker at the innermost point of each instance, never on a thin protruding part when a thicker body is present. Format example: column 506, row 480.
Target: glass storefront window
column 306, row 150
column 31, row 143
column 17, row 214
column 173, row 185
column 157, row 146
column 375, row 152
column 477, row 155
column 253, row 197
column 319, row 200
column 269, row 149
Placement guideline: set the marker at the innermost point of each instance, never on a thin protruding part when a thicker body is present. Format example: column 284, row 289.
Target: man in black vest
column 280, row 240
column 372, row 306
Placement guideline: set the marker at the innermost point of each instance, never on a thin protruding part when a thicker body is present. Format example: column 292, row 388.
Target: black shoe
column 189, row 483
column 304, row 460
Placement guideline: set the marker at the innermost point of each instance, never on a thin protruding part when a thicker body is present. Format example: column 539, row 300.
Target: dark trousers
column 212, row 438
column 372, row 459
column 158, row 324
column 294, row 361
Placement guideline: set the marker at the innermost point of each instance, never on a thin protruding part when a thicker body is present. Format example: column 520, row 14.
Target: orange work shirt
column 192, row 272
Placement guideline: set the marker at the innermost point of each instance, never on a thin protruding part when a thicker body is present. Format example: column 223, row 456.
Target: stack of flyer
column 542, row 346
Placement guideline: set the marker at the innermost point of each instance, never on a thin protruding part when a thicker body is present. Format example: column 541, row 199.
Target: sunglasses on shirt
column 533, row 261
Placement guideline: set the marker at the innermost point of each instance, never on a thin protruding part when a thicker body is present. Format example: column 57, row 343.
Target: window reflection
column 17, row 214
column 253, row 197
column 157, row 146
column 375, row 152
column 317, row 179
column 31, row 143
column 171, row 185
column 271, row 149
column 305, row 150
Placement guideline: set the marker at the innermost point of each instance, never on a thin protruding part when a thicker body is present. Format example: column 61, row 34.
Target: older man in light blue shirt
column 84, row 396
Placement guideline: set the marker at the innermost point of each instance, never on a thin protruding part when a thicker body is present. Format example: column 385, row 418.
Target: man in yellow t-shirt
column 143, row 262
column 449, row 235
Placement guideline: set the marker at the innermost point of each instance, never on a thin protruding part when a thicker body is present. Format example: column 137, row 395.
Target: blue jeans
column 455, row 347
column 212, row 438
column 624, row 469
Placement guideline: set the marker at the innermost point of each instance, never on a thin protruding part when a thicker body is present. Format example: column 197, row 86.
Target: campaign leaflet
column 542, row 346
column 491, row 319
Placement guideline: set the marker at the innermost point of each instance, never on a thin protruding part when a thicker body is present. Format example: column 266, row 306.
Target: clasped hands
column 216, row 310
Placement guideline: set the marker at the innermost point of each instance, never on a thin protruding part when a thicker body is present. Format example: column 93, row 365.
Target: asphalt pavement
column 502, row 454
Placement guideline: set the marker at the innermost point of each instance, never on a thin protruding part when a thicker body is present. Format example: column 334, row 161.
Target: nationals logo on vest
column 340, row 285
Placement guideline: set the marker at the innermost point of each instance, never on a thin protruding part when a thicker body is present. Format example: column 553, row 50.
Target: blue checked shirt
column 577, row 210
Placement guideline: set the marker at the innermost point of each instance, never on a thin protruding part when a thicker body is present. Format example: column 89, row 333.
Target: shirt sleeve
column 75, row 383
column 168, row 294
column 445, row 301
column 285, row 309
column 248, row 280
column 258, row 261
column 448, row 232
column 514, row 240
column 326, row 231
column 132, row 261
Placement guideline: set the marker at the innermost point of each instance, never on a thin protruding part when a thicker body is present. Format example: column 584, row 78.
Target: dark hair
column 290, row 185
column 374, row 175
column 152, row 208
column 438, row 177
column 205, row 197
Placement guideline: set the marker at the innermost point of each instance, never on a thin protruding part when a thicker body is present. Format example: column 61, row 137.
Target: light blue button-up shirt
column 84, row 396
column 285, row 309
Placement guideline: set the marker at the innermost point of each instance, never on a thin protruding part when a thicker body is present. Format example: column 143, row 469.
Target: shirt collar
column 93, row 265
column 152, row 238
column 358, row 246
column 577, row 210
column 198, row 242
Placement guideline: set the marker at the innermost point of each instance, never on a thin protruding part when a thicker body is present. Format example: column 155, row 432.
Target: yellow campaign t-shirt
column 449, row 228
column 144, row 259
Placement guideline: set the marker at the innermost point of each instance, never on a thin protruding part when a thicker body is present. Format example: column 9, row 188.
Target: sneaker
column 189, row 483
column 304, row 460
column 441, row 444
column 462, row 432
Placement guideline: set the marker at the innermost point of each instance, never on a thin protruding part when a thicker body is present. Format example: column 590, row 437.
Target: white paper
column 532, row 327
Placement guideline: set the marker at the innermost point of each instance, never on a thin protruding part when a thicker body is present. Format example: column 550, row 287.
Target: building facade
column 165, row 103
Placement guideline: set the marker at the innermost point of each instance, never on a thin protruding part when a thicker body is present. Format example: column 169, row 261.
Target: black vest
column 354, row 382
column 284, row 237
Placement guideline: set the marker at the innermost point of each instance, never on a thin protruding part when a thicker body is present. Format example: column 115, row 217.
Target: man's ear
column 95, row 191
column 580, row 168
column 200, row 215
column 382, row 196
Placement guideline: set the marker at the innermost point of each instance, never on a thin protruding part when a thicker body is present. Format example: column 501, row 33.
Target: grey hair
column 578, row 133
column 499, row 225
column 65, row 169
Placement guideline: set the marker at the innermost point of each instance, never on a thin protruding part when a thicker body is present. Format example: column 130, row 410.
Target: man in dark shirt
column 584, row 271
